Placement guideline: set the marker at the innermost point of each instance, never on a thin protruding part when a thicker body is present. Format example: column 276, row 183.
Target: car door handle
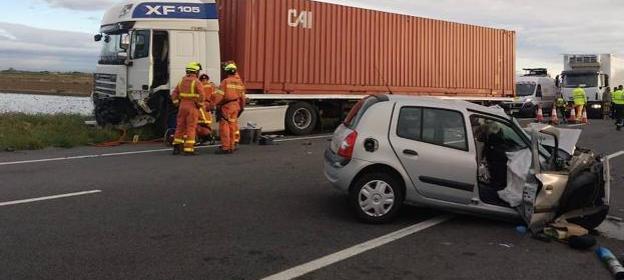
column 410, row 152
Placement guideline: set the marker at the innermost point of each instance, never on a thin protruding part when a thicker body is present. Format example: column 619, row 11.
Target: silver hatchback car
column 458, row 156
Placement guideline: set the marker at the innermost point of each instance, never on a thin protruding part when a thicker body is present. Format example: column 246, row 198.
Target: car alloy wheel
column 376, row 198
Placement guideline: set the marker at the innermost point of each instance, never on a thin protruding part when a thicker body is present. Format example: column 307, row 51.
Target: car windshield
column 112, row 50
column 525, row 89
column 572, row 81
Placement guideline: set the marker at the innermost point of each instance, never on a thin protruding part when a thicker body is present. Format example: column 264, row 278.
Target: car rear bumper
column 340, row 171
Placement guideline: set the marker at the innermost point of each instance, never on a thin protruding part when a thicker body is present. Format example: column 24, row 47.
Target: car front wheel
column 376, row 198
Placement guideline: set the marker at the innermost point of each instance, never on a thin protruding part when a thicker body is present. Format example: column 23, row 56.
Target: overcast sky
column 57, row 34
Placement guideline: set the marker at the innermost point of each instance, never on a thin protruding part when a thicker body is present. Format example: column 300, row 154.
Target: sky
column 57, row 35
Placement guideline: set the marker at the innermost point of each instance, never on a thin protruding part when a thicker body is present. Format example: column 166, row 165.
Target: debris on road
column 607, row 257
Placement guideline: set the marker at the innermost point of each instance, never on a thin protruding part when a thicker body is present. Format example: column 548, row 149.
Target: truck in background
column 535, row 88
column 595, row 73
column 301, row 60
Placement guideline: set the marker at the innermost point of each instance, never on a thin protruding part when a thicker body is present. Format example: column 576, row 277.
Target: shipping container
column 309, row 47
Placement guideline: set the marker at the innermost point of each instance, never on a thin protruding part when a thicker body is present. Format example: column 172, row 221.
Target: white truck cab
column 145, row 48
column 595, row 73
column 534, row 88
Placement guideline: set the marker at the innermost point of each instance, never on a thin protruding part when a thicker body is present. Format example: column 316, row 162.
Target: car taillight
column 346, row 146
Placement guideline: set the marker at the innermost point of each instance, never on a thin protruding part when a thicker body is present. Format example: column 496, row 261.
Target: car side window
column 410, row 123
column 434, row 126
column 485, row 128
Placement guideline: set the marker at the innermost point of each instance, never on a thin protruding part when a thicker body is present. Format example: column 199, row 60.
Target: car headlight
column 528, row 100
column 596, row 106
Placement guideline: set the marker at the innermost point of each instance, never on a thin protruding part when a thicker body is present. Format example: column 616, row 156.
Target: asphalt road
column 247, row 216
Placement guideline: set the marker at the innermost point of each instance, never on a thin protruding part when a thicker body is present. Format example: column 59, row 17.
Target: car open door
column 543, row 189
column 432, row 144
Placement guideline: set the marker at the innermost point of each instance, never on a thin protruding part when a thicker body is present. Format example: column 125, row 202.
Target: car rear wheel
column 376, row 198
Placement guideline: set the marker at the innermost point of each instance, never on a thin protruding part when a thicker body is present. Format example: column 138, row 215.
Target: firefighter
column 618, row 107
column 230, row 102
column 562, row 108
column 580, row 99
column 204, row 128
column 189, row 96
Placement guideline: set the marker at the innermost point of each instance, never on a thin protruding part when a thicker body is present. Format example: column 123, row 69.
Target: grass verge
column 32, row 132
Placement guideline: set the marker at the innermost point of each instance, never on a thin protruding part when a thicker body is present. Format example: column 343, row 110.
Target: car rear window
column 356, row 113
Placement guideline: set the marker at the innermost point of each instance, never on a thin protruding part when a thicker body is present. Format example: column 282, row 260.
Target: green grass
column 33, row 132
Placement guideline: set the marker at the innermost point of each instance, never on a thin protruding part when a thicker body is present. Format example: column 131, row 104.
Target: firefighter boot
column 177, row 149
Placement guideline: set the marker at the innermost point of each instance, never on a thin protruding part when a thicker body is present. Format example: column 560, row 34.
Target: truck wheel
column 301, row 118
column 110, row 112
column 376, row 198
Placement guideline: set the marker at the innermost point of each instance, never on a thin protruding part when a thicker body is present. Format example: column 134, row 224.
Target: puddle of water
column 45, row 104
column 611, row 229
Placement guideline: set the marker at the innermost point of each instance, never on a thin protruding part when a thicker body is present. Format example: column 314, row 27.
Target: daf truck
column 594, row 73
column 301, row 60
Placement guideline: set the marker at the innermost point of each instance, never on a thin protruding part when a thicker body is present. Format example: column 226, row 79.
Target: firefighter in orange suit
column 230, row 105
column 189, row 96
column 204, row 129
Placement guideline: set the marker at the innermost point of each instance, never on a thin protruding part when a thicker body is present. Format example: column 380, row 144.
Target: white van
column 534, row 88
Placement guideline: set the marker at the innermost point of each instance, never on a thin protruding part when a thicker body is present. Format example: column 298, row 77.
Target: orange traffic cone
column 572, row 117
column 540, row 115
column 554, row 119
column 584, row 117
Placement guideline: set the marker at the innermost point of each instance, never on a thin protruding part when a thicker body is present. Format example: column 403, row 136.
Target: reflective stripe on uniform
column 234, row 86
column 190, row 141
column 189, row 150
column 190, row 95
column 178, row 141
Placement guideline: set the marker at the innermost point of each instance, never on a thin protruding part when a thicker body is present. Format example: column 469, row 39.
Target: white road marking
column 356, row 250
column 137, row 152
column 620, row 153
column 575, row 125
column 47, row 198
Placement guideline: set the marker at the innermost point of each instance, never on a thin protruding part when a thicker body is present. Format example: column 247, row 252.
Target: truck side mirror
column 538, row 93
column 97, row 37
column 557, row 81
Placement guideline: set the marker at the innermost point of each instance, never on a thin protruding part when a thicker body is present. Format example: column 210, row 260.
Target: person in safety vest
column 562, row 108
column 230, row 102
column 606, row 102
column 204, row 128
column 580, row 99
column 189, row 96
column 618, row 107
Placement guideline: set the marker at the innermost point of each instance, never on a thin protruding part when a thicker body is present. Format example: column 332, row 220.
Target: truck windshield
column 572, row 81
column 113, row 52
column 525, row 89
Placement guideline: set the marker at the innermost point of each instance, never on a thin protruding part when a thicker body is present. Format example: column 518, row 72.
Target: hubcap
column 302, row 118
column 376, row 198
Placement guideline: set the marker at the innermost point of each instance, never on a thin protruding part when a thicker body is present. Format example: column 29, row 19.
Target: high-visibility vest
column 578, row 94
column 618, row 97
column 561, row 102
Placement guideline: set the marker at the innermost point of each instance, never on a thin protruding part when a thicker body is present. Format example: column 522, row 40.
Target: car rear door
column 434, row 147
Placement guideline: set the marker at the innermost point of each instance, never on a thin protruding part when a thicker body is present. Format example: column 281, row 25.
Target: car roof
column 440, row 102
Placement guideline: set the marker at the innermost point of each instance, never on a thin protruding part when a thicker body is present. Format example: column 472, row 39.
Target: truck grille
column 105, row 84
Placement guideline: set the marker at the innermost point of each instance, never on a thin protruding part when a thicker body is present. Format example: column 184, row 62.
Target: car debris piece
column 607, row 257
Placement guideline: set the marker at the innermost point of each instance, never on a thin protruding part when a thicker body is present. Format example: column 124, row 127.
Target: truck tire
column 110, row 112
column 301, row 118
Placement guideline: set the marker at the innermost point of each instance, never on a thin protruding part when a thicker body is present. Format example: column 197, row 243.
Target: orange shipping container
column 303, row 46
